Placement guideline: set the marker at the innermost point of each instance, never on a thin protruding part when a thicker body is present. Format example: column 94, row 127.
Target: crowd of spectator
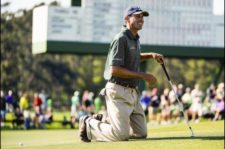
column 159, row 108
column 23, row 117
column 164, row 108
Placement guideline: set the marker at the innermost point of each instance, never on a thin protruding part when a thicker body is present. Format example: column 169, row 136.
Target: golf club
column 180, row 104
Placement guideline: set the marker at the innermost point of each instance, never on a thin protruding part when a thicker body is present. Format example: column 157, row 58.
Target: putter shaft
column 180, row 104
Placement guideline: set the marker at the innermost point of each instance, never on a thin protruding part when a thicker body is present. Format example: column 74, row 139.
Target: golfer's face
column 137, row 21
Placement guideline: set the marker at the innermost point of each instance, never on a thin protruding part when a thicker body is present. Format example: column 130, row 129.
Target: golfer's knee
column 140, row 136
column 143, row 135
column 122, row 136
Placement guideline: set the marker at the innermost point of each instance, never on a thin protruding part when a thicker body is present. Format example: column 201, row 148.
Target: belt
column 123, row 84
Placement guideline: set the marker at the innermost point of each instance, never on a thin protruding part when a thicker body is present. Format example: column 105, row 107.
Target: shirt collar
column 129, row 34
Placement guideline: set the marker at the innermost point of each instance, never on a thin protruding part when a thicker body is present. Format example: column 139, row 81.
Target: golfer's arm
column 121, row 72
column 145, row 56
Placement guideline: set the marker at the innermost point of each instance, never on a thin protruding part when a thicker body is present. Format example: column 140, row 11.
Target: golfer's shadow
column 183, row 138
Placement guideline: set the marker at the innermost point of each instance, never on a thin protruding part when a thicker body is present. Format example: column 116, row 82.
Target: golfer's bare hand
column 150, row 78
column 158, row 57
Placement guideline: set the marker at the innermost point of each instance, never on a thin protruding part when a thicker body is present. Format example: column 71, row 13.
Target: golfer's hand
column 150, row 79
column 158, row 57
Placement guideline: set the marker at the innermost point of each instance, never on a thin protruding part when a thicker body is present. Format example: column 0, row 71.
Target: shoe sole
column 81, row 123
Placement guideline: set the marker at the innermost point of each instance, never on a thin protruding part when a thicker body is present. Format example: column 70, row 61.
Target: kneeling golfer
column 126, row 118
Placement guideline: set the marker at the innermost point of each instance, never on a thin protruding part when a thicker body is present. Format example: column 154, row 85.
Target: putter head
column 192, row 135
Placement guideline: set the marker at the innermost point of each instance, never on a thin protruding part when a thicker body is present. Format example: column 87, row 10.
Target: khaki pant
column 125, row 119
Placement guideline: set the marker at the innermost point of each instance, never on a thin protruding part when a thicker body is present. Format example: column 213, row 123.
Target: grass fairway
column 209, row 135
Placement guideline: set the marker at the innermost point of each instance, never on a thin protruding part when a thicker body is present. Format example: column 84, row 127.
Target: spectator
column 75, row 104
column 98, row 104
column 196, row 106
column 145, row 101
column 46, row 118
column 27, row 118
column 82, row 112
column 24, row 102
column 91, row 99
column 49, row 103
column 87, row 102
column 18, row 120
column 3, row 108
column 165, row 107
column 174, row 106
column 219, row 112
column 210, row 93
column 9, row 101
column 15, row 97
column 24, row 108
column 37, row 102
column 43, row 97
column 220, row 91
column 154, row 107
column 85, row 95
column 180, row 91
column 209, row 104
column 186, row 100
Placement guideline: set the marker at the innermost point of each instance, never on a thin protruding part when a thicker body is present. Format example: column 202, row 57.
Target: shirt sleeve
column 118, row 52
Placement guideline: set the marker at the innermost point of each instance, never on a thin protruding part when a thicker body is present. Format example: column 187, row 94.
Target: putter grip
column 164, row 68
